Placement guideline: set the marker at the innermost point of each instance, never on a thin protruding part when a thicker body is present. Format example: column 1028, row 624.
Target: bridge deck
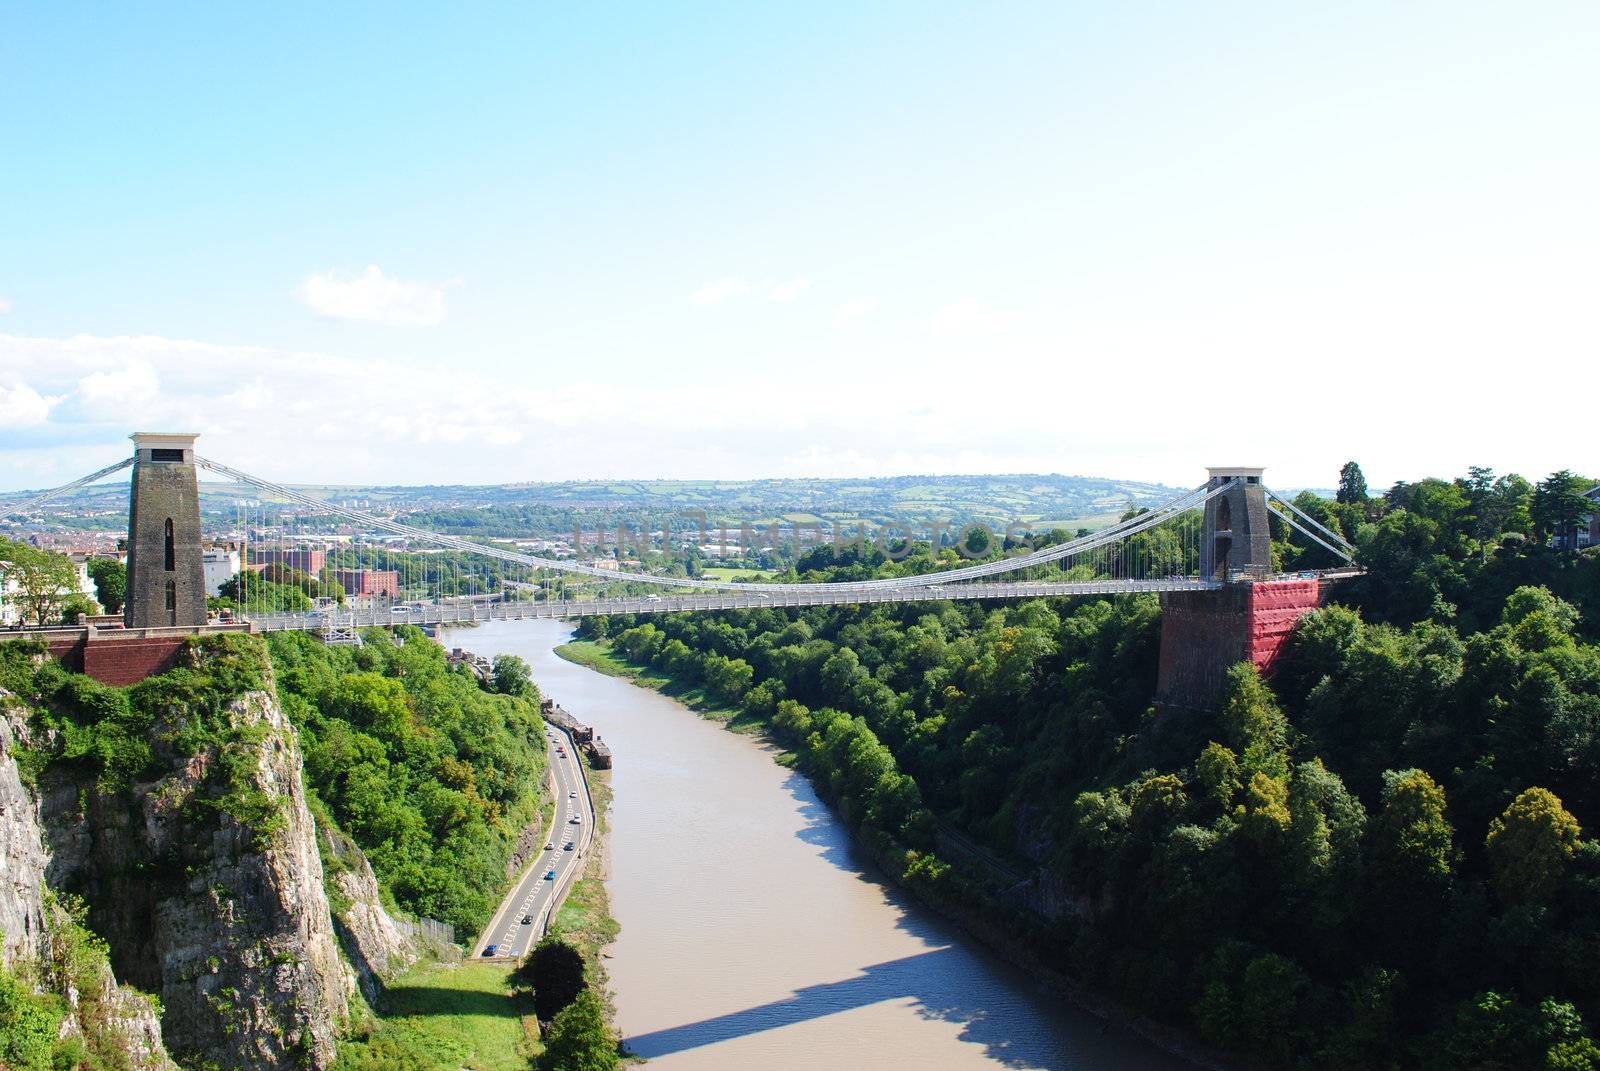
column 451, row 612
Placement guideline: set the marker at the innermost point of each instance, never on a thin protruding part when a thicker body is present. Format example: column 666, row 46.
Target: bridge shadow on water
column 921, row 977
column 994, row 1005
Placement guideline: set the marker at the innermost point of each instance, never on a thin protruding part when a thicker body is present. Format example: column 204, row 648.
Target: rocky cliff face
column 38, row 936
column 378, row 946
column 22, row 855
column 208, row 885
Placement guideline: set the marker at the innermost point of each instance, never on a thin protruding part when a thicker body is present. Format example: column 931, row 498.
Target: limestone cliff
column 208, row 885
column 41, row 942
column 22, row 855
column 378, row 945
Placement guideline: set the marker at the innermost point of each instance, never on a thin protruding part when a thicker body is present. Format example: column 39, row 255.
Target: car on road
column 549, row 875
column 548, row 847
column 400, row 610
column 567, row 847
column 575, row 820
column 527, row 920
column 572, row 795
column 490, row 950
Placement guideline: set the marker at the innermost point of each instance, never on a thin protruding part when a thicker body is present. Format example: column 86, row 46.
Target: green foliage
column 1352, row 485
column 431, row 774
column 110, row 582
column 1530, row 845
column 1287, row 870
column 553, row 971
column 44, row 580
column 513, row 677
column 1254, row 724
column 578, row 1038
column 28, row 1024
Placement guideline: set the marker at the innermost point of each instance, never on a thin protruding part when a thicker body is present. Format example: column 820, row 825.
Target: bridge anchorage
column 1208, row 553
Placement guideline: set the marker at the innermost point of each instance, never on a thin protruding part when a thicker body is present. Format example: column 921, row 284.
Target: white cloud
column 852, row 310
column 5, row 305
column 719, row 290
column 790, row 290
column 372, row 297
column 23, row 407
column 115, row 391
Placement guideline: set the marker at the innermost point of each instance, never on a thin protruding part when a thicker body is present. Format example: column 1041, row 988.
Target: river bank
column 1011, row 933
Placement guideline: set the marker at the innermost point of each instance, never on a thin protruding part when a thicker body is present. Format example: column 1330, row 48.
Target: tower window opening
column 172, row 548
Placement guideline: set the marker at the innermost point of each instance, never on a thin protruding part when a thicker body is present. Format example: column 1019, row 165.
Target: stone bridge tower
column 166, row 574
column 1237, row 540
column 1250, row 617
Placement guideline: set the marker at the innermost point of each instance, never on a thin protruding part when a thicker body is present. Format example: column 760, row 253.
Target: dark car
column 549, row 875
column 490, row 950
column 567, row 847
column 527, row 920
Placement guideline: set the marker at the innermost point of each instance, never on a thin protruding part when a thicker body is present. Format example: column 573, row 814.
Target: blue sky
column 403, row 243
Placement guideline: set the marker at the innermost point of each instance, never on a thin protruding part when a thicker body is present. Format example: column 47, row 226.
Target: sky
column 477, row 243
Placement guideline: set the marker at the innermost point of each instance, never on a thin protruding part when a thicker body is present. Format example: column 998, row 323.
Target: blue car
column 549, row 875
column 490, row 950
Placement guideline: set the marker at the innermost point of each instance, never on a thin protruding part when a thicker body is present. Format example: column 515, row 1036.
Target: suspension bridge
column 295, row 547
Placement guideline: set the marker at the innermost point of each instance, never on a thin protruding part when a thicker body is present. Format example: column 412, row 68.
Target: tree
column 1411, row 849
column 110, row 583
column 578, row 1039
column 1529, row 846
column 554, row 971
column 513, row 677
column 1254, row 723
column 1558, row 507
column 1352, row 485
column 75, row 607
column 44, row 579
column 1217, row 773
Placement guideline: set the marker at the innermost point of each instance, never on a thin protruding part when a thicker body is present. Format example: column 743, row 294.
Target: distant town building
column 310, row 560
column 1591, row 536
column 221, row 564
column 360, row 582
column 605, row 563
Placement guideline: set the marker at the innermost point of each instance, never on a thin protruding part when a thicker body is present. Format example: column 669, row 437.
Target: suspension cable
column 1188, row 500
column 43, row 496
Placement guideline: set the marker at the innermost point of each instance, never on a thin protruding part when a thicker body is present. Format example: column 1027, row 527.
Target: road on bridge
column 525, row 913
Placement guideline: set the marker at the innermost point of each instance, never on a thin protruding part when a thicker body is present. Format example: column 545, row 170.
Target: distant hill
column 1036, row 500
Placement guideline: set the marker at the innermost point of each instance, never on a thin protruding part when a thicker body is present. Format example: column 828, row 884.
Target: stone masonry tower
column 166, row 575
column 1249, row 617
column 1236, row 538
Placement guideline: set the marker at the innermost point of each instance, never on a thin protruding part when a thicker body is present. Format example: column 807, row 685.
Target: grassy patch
column 591, row 655
column 447, row 1017
column 601, row 658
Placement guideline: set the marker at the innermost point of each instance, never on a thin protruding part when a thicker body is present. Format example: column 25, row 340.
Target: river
column 755, row 936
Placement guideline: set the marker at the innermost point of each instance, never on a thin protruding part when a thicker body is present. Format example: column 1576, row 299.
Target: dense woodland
column 1381, row 857
column 430, row 773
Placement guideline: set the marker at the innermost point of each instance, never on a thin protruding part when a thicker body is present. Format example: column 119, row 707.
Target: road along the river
column 525, row 912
